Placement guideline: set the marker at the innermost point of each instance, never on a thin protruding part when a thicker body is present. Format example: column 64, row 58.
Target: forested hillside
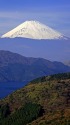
column 44, row 101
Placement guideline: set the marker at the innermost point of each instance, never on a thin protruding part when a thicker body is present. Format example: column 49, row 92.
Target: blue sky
column 54, row 13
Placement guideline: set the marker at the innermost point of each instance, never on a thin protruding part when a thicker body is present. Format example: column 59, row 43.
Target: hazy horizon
column 54, row 50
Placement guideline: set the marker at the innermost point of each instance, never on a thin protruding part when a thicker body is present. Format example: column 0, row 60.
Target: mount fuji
column 33, row 30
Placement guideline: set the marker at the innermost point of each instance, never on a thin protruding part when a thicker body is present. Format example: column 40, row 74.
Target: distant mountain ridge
column 34, row 30
column 14, row 67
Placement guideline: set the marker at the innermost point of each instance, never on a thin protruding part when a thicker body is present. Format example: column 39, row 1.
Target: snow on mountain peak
column 33, row 30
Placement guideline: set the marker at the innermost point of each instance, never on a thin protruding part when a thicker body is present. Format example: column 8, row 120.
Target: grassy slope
column 52, row 92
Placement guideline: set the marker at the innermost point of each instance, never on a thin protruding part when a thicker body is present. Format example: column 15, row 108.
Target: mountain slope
column 33, row 30
column 14, row 67
column 48, row 96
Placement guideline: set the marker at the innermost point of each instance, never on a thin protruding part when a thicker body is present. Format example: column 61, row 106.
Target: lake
column 8, row 88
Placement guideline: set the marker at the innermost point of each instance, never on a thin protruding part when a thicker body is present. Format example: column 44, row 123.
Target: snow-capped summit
column 33, row 30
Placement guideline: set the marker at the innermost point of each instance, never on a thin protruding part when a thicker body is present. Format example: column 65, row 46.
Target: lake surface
column 8, row 88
